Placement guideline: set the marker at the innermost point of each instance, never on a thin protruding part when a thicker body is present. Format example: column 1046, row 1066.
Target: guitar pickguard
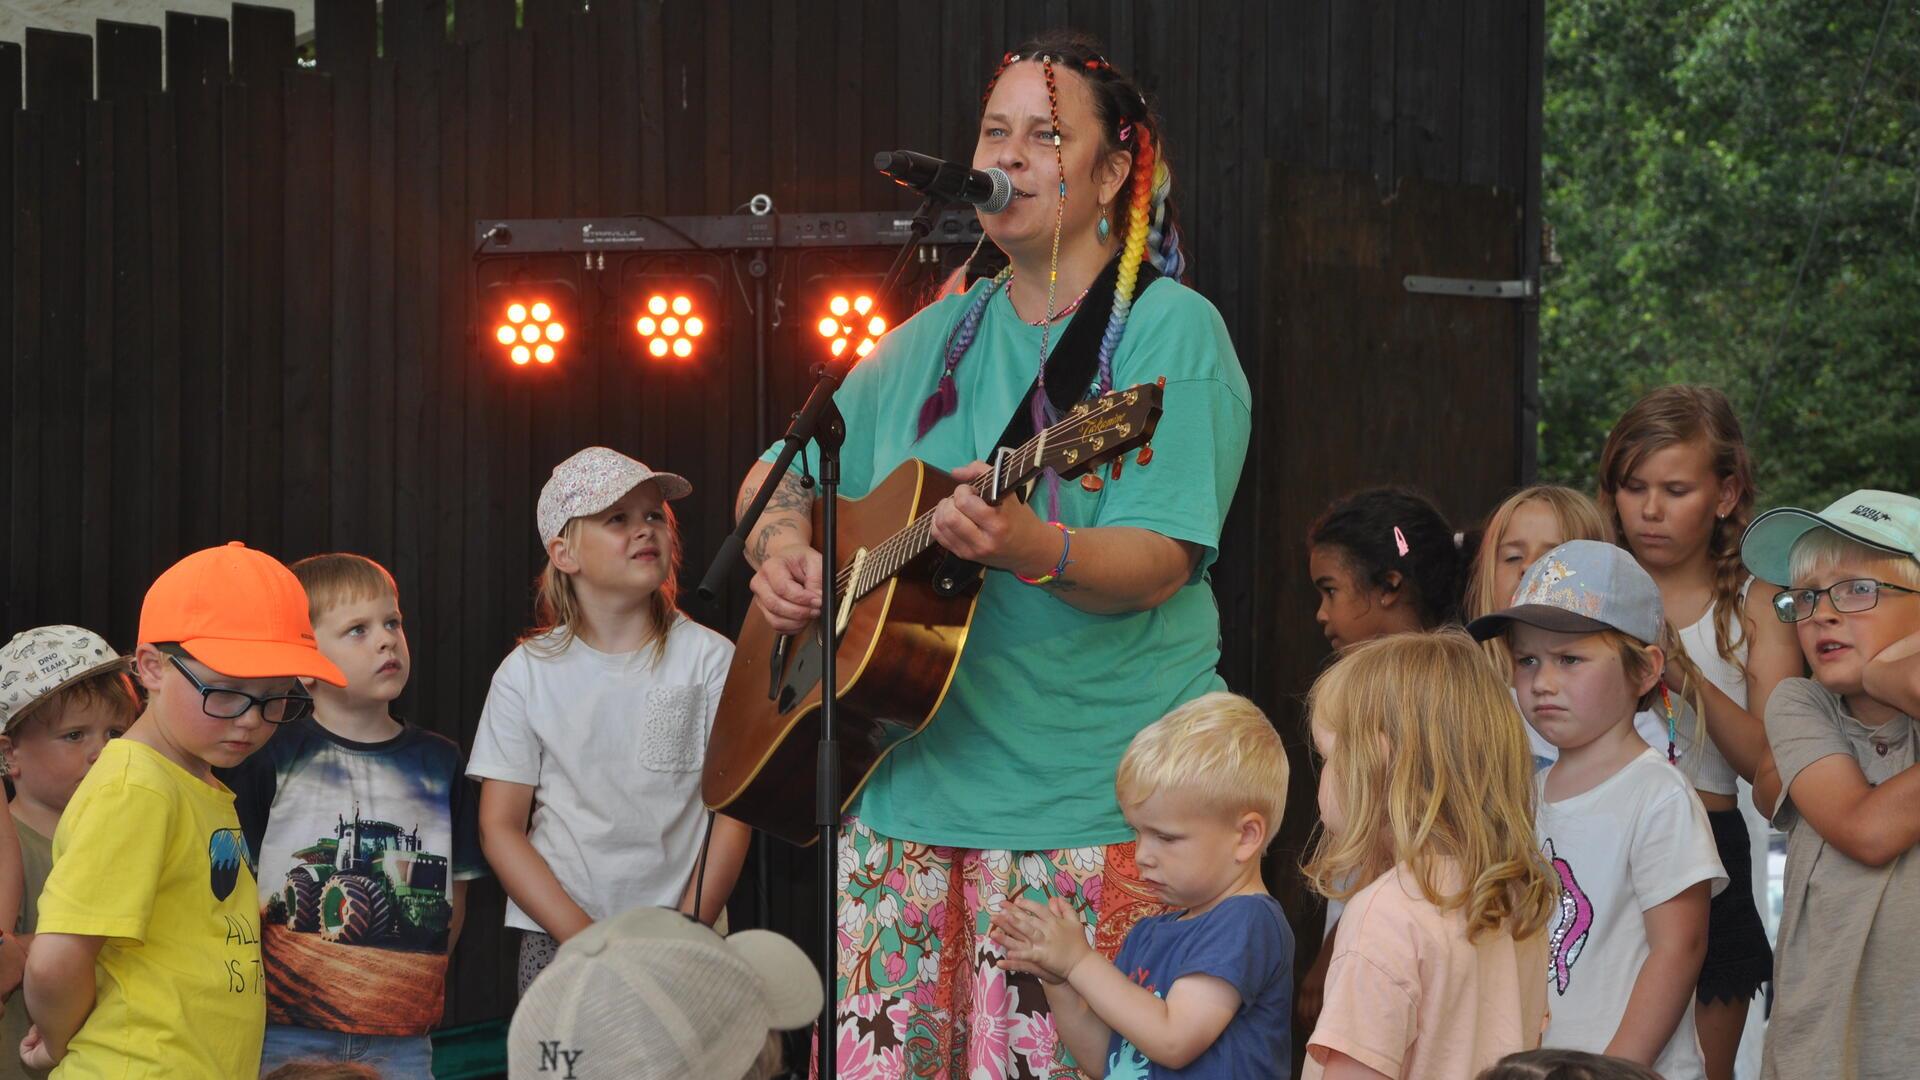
column 802, row 675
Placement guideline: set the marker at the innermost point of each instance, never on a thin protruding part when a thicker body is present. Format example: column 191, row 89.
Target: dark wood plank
column 59, row 86
column 347, row 249
column 919, row 91
column 412, row 31
column 716, row 72
column 416, row 209
column 10, row 96
column 196, row 51
column 133, row 351
column 10, row 76
column 59, row 70
column 196, row 70
column 1350, row 59
column 262, row 43
column 1299, row 40
column 783, row 140
column 252, row 509
column 95, row 389
column 260, row 369
column 1427, row 88
column 307, row 333
column 652, row 78
column 450, row 365
column 482, row 20
column 382, row 304
column 29, row 364
column 130, row 59
column 851, row 141
column 168, row 379
column 346, row 36
column 878, row 108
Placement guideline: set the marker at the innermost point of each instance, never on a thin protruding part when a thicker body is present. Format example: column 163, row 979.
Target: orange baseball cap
column 238, row 611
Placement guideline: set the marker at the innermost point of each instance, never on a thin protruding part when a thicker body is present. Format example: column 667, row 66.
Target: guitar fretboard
column 893, row 554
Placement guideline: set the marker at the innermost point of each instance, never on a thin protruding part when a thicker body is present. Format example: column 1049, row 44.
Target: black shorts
column 1739, row 960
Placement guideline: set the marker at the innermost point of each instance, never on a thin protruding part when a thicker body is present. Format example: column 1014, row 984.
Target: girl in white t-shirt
column 594, row 733
column 1625, row 833
column 1439, row 964
column 1677, row 487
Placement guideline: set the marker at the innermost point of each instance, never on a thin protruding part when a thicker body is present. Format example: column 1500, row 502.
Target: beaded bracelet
column 1060, row 568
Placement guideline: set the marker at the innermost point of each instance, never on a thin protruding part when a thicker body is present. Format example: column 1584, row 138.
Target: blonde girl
column 1676, row 484
column 1427, row 802
column 594, row 732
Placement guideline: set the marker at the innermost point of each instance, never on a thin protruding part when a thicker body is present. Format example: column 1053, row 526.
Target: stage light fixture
column 668, row 326
column 529, row 319
column 851, row 322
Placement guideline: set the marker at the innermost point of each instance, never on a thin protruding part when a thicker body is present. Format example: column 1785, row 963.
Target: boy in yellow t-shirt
column 147, row 961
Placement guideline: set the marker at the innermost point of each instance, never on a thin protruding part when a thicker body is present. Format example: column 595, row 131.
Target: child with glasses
column 1843, row 786
column 147, row 960
column 354, row 813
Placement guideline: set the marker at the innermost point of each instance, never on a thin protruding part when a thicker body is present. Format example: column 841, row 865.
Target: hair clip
column 1400, row 541
column 1126, row 130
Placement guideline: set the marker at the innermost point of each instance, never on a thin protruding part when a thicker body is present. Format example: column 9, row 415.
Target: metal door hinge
column 1486, row 290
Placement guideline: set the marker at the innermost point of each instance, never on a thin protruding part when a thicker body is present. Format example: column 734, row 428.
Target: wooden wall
column 237, row 300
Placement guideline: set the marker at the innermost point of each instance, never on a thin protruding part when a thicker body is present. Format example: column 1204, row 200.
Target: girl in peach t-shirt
column 1439, row 967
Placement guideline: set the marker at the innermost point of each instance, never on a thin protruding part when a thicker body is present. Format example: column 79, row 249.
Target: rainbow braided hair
column 1139, row 209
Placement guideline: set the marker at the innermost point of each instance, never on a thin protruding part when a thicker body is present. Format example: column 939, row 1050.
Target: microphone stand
column 819, row 421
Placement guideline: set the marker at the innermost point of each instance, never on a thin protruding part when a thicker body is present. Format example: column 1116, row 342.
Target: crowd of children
column 228, row 858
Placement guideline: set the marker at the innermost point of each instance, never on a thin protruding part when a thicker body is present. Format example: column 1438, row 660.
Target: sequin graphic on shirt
column 226, row 851
column 1570, row 926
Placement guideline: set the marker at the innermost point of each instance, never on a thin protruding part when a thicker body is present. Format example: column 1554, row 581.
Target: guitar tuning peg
column 1114, row 472
column 1091, row 482
column 1145, row 457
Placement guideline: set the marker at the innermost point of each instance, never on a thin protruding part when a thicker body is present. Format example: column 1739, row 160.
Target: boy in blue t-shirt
column 365, row 837
column 1207, row 990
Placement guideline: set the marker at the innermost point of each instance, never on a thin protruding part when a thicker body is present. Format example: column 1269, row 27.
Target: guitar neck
column 894, row 553
column 1091, row 433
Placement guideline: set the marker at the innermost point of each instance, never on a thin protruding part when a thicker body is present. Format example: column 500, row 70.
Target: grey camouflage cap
column 1582, row 586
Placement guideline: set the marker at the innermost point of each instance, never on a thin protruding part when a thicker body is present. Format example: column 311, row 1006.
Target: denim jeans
column 398, row 1057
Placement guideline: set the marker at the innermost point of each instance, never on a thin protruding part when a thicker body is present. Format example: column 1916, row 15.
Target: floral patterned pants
column 920, row 990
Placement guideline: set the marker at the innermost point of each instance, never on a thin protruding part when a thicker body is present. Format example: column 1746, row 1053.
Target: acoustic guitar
column 899, row 631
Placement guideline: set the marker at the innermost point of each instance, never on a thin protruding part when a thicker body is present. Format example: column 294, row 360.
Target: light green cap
column 1882, row 520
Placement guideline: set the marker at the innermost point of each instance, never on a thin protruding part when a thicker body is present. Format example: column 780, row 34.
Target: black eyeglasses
column 1850, row 596
column 224, row 704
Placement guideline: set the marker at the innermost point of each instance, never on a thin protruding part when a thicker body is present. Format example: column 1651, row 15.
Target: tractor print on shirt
column 368, row 884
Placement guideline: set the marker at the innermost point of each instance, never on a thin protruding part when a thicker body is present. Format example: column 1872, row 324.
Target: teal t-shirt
column 1023, row 751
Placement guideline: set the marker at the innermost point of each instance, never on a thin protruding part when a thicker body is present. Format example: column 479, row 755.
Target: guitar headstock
column 1098, row 431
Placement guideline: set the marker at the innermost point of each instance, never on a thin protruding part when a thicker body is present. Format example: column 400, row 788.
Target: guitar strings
column 891, row 555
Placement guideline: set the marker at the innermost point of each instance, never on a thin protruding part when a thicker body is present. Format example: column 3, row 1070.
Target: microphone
column 990, row 191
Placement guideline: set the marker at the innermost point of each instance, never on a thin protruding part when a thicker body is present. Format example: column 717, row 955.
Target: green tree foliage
column 1688, row 144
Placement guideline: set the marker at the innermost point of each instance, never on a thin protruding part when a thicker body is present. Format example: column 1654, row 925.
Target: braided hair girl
column 1095, row 616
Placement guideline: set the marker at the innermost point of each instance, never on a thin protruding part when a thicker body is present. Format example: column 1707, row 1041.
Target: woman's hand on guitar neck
column 787, row 588
column 1009, row 536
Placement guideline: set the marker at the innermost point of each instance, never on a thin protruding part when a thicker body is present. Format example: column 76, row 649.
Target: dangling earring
column 1103, row 230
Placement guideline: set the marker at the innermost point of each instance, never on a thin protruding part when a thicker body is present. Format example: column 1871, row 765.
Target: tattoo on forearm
column 1062, row 585
column 789, row 497
column 762, row 543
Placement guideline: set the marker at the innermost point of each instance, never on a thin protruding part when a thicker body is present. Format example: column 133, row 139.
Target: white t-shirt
column 1635, row 841
column 613, row 746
